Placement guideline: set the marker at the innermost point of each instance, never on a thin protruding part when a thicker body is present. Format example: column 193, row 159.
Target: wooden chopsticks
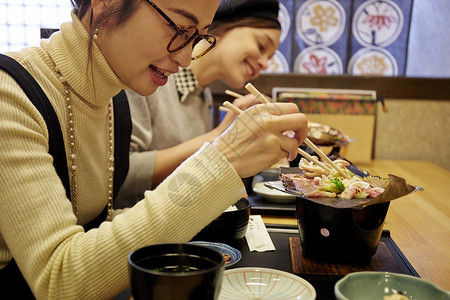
column 264, row 100
column 314, row 160
column 233, row 94
column 325, row 158
column 231, row 107
column 251, row 88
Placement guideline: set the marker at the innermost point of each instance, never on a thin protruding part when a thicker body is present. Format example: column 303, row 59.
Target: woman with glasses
column 64, row 148
column 173, row 123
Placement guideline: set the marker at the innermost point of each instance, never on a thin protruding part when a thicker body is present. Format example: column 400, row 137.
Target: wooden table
column 419, row 223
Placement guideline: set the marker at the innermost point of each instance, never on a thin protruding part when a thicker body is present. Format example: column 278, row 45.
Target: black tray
column 264, row 207
column 281, row 260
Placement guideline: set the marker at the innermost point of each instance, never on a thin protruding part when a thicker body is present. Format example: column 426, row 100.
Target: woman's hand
column 258, row 139
column 242, row 103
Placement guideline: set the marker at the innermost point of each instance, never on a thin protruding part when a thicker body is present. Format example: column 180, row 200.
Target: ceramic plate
column 272, row 195
column 263, row 283
column 227, row 251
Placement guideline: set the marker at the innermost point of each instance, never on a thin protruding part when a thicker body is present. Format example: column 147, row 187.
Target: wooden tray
column 387, row 258
column 323, row 276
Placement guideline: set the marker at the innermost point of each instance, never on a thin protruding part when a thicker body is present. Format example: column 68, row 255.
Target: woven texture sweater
column 37, row 226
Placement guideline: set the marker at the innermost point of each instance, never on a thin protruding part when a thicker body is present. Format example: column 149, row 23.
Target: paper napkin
column 258, row 239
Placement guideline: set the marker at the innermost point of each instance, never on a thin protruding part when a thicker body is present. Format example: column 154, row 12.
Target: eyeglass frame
column 178, row 30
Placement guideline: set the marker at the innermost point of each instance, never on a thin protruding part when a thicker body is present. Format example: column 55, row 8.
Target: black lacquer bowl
column 229, row 227
column 175, row 271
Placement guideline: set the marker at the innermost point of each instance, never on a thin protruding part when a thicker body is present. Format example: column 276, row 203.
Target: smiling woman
column 65, row 151
column 145, row 66
column 172, row 124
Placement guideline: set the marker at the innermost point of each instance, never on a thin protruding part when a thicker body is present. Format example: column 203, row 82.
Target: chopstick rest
column 257, row 236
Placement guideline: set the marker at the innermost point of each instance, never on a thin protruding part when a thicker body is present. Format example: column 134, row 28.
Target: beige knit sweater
column 37, row 227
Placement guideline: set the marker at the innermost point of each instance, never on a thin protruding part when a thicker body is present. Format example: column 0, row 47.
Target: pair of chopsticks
column 264, row 100
column 232, row 94
column 251, row 89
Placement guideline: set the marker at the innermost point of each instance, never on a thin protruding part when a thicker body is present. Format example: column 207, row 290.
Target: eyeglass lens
column 182, row 38
column 201, row 46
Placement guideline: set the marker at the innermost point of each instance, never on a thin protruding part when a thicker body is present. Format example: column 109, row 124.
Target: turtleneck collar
column 68, row 50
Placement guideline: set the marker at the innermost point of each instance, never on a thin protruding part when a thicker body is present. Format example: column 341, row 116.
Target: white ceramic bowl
column 264, row 283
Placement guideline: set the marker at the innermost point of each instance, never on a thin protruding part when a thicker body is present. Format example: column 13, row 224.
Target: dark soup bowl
column 175, row 271
column 229, row 227
column 339, row 235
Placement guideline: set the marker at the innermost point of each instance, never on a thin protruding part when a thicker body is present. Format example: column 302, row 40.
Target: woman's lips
column 250, row 71
column 159, row 77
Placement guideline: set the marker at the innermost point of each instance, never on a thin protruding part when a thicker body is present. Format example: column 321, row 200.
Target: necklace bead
column 72, row 145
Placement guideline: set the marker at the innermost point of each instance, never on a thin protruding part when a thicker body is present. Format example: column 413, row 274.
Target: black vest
column 13, row 284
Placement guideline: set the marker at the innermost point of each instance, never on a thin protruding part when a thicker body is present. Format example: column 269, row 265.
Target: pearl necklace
column 72, row 155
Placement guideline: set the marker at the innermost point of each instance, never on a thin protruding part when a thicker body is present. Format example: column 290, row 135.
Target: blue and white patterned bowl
column 233, row 253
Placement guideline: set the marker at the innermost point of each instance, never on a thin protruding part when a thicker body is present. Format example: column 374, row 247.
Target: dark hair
column 112, row 17
column 221, row 26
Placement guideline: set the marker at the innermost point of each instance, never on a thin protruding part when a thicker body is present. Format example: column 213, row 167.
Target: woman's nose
column 183, row 56
column 263, row 62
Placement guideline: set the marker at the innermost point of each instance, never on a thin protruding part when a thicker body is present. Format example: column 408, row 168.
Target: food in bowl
column 325, row 135
column 395, row 296
column 227, row 258
column 315, row 181
column 350, row 187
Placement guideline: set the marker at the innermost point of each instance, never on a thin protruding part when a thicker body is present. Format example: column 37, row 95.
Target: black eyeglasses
column 184, row 35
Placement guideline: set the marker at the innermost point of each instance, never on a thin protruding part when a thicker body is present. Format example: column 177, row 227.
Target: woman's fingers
column 290, row 146
column 279, row 108
column 292, row 126
column 257, row 140
column 281, row 118
column 245, row 101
